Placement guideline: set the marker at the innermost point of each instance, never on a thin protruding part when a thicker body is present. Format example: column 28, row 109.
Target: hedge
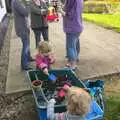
column 99, row 6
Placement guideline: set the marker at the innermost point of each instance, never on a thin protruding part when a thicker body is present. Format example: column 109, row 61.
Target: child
column 77, row 107
column 44, row 57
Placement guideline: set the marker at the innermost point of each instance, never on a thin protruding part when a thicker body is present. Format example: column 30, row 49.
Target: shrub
column 99, row 6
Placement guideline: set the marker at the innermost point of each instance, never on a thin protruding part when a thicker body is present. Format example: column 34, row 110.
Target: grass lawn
column 112, row 97
column 112, row 108
column 110, row 21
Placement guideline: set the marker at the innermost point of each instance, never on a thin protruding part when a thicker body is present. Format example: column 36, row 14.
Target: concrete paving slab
column 100, row 54
column 16, row 79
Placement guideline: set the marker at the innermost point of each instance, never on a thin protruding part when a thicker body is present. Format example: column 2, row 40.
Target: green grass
column 112, row 108
column 110, row 21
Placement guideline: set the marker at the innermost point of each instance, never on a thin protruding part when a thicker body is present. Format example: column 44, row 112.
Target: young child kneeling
column 44, row 58
column 77, row 107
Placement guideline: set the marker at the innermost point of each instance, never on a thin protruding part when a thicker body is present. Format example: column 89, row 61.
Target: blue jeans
column 25, row 55
column 72, row 46
column 38, row 32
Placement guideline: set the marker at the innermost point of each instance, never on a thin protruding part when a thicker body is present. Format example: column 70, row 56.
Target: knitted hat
column 44, row 47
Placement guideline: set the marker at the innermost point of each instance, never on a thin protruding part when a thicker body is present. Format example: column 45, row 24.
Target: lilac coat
column 72, row 21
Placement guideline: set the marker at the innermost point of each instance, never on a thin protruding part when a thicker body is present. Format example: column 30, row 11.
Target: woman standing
column 39, row 23
column 73, row 26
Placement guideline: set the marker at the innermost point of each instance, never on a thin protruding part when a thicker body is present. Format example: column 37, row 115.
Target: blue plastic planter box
column 41, row 109
column 96, row 113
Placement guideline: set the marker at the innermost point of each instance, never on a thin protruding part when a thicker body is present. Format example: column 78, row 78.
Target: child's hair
column 78, row 101
column 44, row 47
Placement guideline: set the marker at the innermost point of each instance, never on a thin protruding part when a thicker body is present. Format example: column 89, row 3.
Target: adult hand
column 66, row 87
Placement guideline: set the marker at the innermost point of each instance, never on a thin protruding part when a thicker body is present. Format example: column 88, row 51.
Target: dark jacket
column 38, row 20
column 20, row 12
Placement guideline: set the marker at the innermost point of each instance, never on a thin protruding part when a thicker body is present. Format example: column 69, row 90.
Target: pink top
column 44, row 61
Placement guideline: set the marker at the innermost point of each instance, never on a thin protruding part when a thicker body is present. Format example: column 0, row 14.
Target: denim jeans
column 38, row 32
column 25, row 55
column 72, row 46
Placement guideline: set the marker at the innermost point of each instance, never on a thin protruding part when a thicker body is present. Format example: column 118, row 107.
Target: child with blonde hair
column 44, row 58
column 78, row 105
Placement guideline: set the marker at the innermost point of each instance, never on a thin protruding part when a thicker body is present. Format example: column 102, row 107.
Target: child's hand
column 66, row 87
column 46, row 71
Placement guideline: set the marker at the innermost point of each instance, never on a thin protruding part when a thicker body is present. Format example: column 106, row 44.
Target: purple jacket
column 72, row 21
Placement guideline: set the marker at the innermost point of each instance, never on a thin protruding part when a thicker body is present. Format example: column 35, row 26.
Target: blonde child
column 78, row 105
column 44, row 58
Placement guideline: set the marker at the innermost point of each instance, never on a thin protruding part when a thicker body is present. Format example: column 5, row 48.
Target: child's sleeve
column 39, row 63
column 51, row 115
column 50, row 110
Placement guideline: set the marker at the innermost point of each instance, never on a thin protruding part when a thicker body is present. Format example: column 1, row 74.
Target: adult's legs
column 37, row 34
column 25, row 55
column 71, row 46
column 72, row 39
column 66, row 46
column 45, row 33
column 78, row 47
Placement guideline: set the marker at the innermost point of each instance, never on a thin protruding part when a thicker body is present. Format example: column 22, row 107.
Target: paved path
column 100, row 54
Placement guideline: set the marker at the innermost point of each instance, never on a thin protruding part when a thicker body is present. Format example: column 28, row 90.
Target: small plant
column 36, row 84
column 101, row 6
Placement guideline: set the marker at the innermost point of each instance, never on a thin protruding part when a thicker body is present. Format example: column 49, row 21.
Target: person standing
column 73, row 26
column 20, row 11
column 39, row 24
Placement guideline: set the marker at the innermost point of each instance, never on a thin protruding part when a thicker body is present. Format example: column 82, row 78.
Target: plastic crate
column 42, row 110
column 96, row 112
column 97, row 91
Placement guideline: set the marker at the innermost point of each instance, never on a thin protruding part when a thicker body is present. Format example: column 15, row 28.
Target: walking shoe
column 26, row 68
column 71, row 67
column 31, row 59
column 74, row 68
column 68, row 65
